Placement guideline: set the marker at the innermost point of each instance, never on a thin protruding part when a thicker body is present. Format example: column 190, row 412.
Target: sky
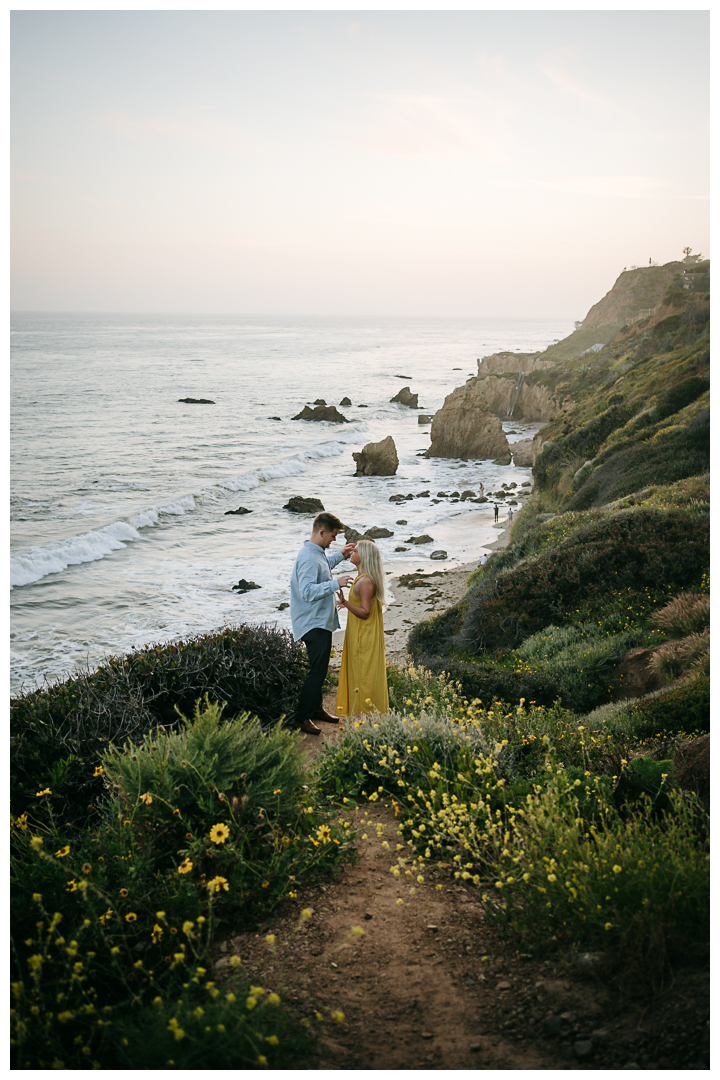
column 466, row 163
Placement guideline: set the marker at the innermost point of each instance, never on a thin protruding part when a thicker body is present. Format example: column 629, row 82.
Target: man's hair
column 328, row 522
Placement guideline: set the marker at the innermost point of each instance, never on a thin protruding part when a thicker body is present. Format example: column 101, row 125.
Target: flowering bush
column 111, row 927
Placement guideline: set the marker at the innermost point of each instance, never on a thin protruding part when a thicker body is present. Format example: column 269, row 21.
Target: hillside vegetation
column 618, row 525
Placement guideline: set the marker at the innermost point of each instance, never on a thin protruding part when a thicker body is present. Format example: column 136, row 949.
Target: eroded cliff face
column 465, row 428
column 635, row 291
column 493, row 394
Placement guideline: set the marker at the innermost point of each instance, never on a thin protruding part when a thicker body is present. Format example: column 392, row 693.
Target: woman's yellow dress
column 363, row 681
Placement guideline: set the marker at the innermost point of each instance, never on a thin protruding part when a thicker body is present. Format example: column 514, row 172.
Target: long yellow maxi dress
column 362, row 687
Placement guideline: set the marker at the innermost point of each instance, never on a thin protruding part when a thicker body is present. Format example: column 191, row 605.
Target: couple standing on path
column 313, row 611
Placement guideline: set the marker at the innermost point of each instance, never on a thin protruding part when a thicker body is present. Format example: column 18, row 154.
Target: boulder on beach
column 467, row 495
column 244, row 586
column 322, row 412
column 438, row 554
column 424, row 539
column 401, row 521
column 462, row 428
column 402, row 549
column 345, row 402
column 422, row 495
column 406, row 397
column 300, row 505
column 377, row 459
column 522, row 453
column 196, row 401
column 240, row 510
column 281, row 607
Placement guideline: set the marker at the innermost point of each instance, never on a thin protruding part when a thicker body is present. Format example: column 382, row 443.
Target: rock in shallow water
column 244, row 586
column 377, row 459
column 322, row 412
column 300, row 505
column 438, row 554
column 240, row 510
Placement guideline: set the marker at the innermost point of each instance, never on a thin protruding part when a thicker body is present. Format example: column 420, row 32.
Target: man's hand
column 348, row 550
column 344, row 580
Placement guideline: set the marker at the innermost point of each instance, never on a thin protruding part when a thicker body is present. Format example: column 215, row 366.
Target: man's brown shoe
column 326, row 717
column 309, row 728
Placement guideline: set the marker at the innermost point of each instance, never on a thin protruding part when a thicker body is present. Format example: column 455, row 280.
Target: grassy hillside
column 617, row 528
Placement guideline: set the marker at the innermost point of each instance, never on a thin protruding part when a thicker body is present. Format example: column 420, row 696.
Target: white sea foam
column 53, row 558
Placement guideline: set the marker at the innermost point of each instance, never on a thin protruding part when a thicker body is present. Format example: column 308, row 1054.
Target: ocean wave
column 292, row 466
column 53, row 558
column 39, row 562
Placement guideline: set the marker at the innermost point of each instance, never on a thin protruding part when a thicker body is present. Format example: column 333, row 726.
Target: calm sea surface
column 118, row 492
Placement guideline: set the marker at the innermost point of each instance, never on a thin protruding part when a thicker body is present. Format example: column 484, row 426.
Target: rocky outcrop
column 405, row 397
column 319, row 401
column 345, row 402
column 377, row 459
column 424, row 539
column 509, row 363
column 522, row 453
column 423, row 419
column 196, row 401
column 438, row 554
column 322, row 412
column 494, row 393
column 464, row 428
column 300, row 505
column 240, row 510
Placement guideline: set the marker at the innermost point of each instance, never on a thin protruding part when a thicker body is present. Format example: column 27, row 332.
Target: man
column 314, row 614
column 497, row 512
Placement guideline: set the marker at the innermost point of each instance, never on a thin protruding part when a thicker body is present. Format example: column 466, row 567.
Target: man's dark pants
column 318, row 644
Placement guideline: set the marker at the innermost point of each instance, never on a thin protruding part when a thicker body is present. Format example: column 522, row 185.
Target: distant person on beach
column 314, row 614
column 497, row 512
column 510, row 514
column 363, row 680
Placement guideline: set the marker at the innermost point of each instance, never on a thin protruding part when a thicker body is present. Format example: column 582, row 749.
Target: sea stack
column 463, row 429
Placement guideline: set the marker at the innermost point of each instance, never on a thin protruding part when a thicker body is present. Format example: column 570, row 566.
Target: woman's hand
column 341, row 601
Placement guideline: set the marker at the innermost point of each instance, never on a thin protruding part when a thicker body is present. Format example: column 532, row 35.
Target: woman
column 363, row 682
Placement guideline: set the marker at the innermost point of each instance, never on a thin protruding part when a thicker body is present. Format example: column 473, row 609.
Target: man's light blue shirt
column 312, row 590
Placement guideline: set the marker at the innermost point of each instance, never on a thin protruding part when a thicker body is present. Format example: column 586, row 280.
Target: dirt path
column 432, row 983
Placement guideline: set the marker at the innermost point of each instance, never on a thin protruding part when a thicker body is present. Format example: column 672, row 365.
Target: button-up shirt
column 312, row 590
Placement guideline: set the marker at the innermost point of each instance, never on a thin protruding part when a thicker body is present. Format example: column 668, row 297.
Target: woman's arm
column 364, row 591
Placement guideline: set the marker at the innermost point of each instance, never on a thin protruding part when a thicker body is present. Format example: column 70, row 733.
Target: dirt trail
column 432, row 983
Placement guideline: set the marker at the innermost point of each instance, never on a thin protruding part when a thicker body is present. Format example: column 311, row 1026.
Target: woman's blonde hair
column 371, row 564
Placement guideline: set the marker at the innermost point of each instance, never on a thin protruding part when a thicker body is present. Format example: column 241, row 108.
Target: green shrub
column 209, row 824
column 684, row 709
column 634, row 888
column 59, row 734
column 483, row 680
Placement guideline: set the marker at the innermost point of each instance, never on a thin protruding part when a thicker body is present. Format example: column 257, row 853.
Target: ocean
column 119, row 493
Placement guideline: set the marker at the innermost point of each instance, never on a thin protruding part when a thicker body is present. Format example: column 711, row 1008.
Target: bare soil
column 434, row 983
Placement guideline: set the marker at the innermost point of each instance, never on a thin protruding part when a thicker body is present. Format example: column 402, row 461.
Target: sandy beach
column 419, row 594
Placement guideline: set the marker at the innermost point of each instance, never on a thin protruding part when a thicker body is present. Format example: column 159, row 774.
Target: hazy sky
column 379, row 163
